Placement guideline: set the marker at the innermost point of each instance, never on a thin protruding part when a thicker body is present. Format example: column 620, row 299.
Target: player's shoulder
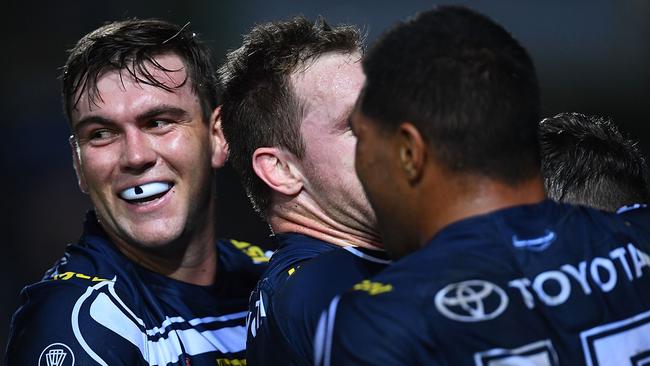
column 244, row 258
column 61, row 320
column 636, row 215
column 309, row 288
column 331, row 273
column 294, row 250
column 377, row 321
column 235, row 252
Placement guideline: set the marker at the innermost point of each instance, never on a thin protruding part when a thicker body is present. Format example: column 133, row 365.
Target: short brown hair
column 259, row 106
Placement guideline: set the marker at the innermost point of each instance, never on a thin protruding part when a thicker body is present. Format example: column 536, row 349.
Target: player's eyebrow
column 90, row 120
column 169, row 110
column 172, row 111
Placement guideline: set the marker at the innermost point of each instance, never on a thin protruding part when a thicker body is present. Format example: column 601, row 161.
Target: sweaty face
column 144, row 155
column 329, row 88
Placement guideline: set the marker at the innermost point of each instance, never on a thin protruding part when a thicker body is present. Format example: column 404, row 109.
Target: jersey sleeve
column 360, row 328
column 52, row 328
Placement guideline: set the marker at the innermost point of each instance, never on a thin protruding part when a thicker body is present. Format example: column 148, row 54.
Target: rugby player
column 587, row 160
column 148, row 283
column 489, row 272
column 288, row 92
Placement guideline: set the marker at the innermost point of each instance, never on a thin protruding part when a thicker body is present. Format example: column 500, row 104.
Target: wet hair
column 587, row 160
column 260, row 107
column 466, row 84
column 132, row 45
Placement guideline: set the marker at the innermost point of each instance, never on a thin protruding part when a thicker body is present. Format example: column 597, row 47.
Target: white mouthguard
column 144, row 191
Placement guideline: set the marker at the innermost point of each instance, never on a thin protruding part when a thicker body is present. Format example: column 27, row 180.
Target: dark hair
column 466, row 84
column 132, row 45
column 586, row 160
column 260, row 107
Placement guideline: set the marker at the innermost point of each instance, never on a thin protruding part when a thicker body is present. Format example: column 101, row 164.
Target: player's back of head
column 587, row 160
column 132, row 45
column 466, row 84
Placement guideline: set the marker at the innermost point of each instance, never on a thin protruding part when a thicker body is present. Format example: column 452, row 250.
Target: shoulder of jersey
column 253, row 252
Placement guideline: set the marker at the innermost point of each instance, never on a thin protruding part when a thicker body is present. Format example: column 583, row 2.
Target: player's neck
column 476, row 196
column 192, row 260
column 305, row 220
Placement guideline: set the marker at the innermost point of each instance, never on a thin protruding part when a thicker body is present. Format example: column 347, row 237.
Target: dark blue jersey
column 96, row 307
column 304, row 275
column 545, row 284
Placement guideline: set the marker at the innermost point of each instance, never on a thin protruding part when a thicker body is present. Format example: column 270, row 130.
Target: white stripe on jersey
column 166, row 349
column 193, row 322
column 365, row 256
column 323, row 336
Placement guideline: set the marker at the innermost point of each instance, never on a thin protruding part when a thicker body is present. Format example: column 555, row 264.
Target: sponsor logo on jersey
column 56, row 354
column 373, row 288
column 471, row 301
column 69, row 275
column 233, row 362
column 254, row 252
column 535, row 244
column 604, row 273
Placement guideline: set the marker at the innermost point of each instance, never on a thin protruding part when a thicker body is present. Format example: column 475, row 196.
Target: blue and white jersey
column 96, row 307
column 545, row 284
column 304, row 275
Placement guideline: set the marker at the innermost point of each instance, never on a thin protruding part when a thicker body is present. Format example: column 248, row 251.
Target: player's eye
column 349, row 122
column 158, row 123
column 101, row 134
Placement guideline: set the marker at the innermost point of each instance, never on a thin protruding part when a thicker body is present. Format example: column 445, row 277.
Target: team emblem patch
column 471, row 301
column 56, row 354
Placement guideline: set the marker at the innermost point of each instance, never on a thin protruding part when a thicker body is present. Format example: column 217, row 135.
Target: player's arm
column 48, row 329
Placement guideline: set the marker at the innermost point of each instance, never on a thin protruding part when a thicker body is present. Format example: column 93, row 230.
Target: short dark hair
column 466, row 84
column 260, row 107
column 130, row 45
column 587, row 160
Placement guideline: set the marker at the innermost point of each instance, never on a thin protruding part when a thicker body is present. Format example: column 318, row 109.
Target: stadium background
column 592, row 57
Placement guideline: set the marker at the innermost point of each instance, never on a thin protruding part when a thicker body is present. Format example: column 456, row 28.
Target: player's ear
column 76, row 163
column 412, row 151
column 217, row 140
column 277, row 168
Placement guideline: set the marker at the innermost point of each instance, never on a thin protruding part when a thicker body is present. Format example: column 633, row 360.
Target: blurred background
column 592, row 57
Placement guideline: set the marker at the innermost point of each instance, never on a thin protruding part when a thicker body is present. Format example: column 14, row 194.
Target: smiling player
column 148, row 282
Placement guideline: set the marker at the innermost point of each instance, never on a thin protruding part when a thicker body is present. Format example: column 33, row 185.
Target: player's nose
column 138, row 153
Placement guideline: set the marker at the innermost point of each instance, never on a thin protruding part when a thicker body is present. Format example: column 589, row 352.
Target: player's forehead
column 129, row 88
column 328, row 88
column 329, row 77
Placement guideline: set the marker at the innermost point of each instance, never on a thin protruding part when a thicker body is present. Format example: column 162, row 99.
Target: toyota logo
column 471, row 301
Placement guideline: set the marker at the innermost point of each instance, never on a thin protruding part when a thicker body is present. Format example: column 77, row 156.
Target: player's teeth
column 144, row 191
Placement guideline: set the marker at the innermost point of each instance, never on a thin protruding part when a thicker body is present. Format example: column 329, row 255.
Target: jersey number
column 625, row 342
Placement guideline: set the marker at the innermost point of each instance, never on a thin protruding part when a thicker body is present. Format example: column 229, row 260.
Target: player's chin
column 161, row 237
